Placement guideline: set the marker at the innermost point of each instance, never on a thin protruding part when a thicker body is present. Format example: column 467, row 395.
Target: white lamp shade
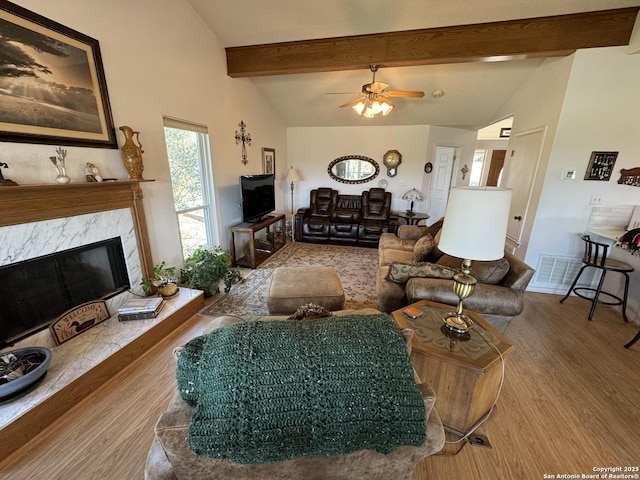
column 293, row 175
column 475, row 223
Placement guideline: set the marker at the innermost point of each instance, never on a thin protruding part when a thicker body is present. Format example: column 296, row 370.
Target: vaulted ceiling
column 461, row 61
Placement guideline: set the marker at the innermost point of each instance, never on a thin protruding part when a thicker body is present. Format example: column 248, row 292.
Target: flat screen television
column 258, row 196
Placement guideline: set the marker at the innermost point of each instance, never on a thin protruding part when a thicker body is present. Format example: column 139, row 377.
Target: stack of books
column 140, row 308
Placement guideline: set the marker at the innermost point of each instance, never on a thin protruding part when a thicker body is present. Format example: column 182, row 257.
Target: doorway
column 495, row 168
column 522, row 168
column 440, row 182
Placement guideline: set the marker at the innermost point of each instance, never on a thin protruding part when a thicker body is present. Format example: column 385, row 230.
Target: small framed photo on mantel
column 601, row 166
column 268, row 160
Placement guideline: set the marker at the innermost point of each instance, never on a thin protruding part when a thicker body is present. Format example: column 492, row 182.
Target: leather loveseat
column 498, row 296
column 345, row 219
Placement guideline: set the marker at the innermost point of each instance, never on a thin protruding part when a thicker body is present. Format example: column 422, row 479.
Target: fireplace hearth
column 38, row 220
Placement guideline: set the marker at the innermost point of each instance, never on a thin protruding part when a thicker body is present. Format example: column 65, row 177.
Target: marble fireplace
column 39, row 220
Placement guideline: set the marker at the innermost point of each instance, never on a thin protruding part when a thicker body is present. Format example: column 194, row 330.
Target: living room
column 156, row 54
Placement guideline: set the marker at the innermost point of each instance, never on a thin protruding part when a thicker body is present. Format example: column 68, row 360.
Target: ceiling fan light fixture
column 386, row 106
column 359, row 107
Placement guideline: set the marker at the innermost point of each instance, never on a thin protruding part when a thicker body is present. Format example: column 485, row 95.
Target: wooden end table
column 412, row 218
column 465, row 372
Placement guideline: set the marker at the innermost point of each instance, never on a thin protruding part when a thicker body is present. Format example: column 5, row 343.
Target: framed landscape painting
column 52, row 83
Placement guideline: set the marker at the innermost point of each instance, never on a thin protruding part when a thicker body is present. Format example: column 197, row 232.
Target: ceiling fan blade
column 404, row 93
column 378, row 87
column 351, row 103
column 342, row 93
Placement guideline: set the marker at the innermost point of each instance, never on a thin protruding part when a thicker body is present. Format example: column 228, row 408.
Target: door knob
column 518, row 217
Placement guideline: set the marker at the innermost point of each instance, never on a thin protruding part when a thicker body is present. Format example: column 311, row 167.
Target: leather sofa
column 170, row 457
column 497, row 302
column 345, row 219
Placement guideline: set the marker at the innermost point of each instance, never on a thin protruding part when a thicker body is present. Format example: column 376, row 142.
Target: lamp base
column 457, row 322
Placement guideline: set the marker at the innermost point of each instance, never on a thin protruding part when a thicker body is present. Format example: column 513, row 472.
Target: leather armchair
column 376, row 212
column 376, row 204
column 345, row 219
column 313, row 222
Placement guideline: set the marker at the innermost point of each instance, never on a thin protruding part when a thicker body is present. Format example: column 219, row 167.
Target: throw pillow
column 491, row 272
column 402, row 272
column 422, row 248
column 435, row 228
column 310, row 310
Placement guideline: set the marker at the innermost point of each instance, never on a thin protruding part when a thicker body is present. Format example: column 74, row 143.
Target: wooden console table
column 276, row 239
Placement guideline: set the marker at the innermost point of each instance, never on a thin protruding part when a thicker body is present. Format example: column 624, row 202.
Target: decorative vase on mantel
column 58, row 162
column 132, row 153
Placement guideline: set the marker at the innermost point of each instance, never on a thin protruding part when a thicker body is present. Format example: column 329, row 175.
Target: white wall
column 463, row 140
column 537, row 104
column 311, row 149
column 600, row 113
column 160, row 59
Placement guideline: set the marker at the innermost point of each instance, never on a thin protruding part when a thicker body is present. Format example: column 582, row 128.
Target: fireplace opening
column 35, row 292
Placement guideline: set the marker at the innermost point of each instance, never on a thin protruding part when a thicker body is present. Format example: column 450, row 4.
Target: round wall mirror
column 353, row 169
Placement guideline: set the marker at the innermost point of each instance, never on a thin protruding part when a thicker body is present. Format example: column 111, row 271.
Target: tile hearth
column 75, row 358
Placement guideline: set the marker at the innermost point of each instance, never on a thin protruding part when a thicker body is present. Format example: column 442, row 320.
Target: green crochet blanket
column 269, row 391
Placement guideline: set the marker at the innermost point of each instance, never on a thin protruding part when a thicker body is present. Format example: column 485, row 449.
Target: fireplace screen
column 36, row 291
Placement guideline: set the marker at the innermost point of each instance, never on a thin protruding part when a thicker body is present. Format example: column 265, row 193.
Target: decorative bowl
column 36, row 360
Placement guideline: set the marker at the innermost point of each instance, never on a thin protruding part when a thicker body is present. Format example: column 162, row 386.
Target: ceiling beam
column 496, row 41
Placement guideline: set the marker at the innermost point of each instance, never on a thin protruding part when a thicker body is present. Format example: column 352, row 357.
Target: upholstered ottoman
column 292, row 287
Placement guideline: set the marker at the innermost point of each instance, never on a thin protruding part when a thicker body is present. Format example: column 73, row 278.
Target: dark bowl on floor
column 37, row 355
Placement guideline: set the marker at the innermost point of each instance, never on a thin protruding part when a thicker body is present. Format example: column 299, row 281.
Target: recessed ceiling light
column 437, row 93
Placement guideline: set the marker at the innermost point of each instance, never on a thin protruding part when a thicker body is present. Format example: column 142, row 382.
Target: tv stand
column 257, row 250
column 260, row 219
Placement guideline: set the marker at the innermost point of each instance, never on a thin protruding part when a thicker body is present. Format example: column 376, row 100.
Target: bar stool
column 595, row 255
column 635, row 339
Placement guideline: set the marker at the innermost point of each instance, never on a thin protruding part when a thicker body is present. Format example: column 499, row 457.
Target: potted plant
column 206, row 267
column 163, row 281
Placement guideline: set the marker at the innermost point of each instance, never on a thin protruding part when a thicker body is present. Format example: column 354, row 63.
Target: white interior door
column 440, row 182
column 522, row 168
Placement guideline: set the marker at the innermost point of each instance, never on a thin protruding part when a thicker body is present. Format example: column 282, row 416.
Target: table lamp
column 292, row 176
column 412, row 195
column 475, row 228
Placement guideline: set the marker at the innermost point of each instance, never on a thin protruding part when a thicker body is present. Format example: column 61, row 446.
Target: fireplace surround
column 35, row 292
column 39, row 220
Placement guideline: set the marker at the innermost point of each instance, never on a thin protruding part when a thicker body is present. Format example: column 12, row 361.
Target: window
column 192, row 182
column 476, row 168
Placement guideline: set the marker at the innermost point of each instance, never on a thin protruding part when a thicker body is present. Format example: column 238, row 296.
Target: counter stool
column 635, row 339
column 595, row 255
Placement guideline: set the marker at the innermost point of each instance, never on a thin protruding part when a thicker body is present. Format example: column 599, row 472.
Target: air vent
column 560, row 271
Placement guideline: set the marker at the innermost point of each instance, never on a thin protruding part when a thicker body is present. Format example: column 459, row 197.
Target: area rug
column 356, row 267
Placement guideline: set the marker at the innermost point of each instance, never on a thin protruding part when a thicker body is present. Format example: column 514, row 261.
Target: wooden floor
column 569, row 404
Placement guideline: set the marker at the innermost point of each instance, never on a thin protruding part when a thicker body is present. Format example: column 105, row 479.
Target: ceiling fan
column 373, row 99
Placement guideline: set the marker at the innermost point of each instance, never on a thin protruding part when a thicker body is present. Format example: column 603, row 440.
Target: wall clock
column 391, row 160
